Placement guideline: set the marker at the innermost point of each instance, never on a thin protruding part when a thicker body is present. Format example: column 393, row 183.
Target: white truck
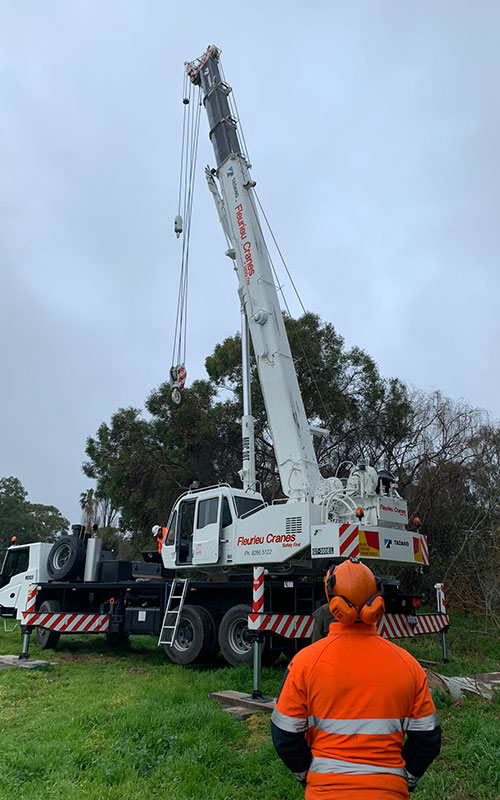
column 222, row 531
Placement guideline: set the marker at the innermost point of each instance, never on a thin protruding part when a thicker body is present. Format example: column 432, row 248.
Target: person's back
column 345, row 706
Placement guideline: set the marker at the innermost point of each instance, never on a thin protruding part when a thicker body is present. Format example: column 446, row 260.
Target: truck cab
column 23, row 565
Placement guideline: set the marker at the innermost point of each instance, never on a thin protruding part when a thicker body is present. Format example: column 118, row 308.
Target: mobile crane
column 224, row 526
column 221, row 530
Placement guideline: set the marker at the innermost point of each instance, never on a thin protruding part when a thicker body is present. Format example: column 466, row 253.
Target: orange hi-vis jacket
column 161, row 538
column 344, row 709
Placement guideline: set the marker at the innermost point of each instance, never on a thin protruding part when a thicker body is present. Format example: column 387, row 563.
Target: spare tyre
column 66, row 558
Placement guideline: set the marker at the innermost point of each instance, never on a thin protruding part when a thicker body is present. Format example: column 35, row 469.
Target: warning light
column 417, row 522
column 360, row 513
column 111, row 601
column 13, row 539
column 416, row 602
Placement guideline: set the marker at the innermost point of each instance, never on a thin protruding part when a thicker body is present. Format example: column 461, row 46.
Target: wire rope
column 189, row 152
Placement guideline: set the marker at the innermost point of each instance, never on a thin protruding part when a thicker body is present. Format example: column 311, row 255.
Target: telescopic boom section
column 236, row 207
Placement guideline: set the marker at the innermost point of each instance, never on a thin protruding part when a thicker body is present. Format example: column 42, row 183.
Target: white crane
column 322, row 518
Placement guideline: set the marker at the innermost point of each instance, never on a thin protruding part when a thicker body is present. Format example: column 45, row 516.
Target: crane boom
column 292, row 440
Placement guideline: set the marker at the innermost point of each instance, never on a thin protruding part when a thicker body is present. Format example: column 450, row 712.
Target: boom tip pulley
column 193, row 67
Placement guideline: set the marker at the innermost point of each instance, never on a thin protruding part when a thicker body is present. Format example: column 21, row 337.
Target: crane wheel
column 235, row 643
column 196, row 637
column 45, row 638
column 234, row 637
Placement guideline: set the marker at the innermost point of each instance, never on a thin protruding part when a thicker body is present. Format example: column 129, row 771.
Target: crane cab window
column 245, row 506
column 170, row 537
column 16, row 561
column 208, row 512
column 226, row 513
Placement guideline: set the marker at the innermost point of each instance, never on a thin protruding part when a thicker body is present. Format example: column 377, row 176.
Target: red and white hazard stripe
column 425, row 549
column 431, row 623
column 391, row 626
column 258, row 590
column 396, row 626
column 31, row 599
column 348, row 541
column 291, row 626
column 440, row 597
column 181, row 376
column 68, row 623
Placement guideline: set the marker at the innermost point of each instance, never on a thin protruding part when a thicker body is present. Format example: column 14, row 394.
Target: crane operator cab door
column 185, row 529
column 207, row 532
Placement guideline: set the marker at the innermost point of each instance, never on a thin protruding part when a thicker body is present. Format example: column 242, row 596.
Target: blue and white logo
column 387, row 543
column 230, row 172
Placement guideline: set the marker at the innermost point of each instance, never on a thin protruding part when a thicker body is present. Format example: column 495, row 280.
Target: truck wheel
column 195, row 638
column 45, row 638
column 66, row 558
column 234, row 638
column 215, row 617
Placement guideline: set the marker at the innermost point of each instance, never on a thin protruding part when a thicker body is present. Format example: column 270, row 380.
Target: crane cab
column 203, row 523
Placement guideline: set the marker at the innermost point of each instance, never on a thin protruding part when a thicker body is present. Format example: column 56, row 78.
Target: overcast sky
column 373, row 130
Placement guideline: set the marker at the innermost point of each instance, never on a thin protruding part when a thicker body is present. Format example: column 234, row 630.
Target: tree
column 143, row 465
column 28, row 522
column 98, row 512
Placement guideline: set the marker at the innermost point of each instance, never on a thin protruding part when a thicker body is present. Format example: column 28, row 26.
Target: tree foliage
column 28, row 522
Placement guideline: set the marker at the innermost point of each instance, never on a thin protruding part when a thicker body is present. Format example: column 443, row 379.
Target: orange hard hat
column 352, row 580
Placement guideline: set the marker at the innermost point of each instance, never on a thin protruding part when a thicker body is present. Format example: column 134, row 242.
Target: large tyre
column 66, row 558
column 195, row 639
column 215, row 617
column 234, row 638
column 45, row 638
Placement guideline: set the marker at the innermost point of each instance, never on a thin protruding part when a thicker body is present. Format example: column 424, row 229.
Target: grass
column 109, row 724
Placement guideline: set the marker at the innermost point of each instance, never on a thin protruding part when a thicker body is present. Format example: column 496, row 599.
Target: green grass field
column 106, row 724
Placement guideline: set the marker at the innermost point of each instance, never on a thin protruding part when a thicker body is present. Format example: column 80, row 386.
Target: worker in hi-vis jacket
column 349, row 700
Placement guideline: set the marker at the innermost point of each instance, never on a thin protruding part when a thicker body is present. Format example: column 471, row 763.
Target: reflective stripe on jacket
column 345, row 706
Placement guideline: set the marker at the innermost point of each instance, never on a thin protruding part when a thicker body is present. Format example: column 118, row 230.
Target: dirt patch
column 258, row 728
column 80, row 658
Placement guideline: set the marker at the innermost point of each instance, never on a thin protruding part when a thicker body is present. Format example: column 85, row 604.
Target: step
column 230, row 699
column 239, row 712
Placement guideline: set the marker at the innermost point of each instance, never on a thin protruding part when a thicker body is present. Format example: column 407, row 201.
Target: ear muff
column 330, row 582
column 373, row 610
column 343, row 610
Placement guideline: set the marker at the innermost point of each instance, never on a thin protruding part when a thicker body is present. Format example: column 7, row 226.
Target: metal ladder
column 169, row 631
